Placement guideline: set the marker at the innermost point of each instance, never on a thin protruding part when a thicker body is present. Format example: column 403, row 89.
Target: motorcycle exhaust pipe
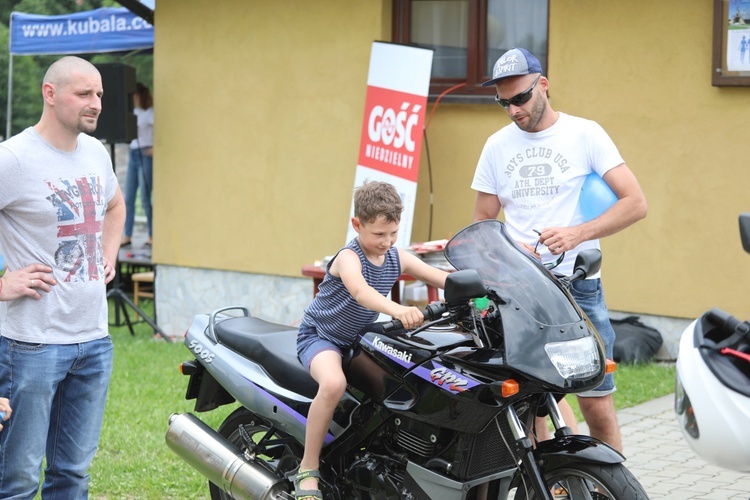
column 217, row 459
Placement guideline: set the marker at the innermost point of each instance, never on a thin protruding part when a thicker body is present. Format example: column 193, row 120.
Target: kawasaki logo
column 391, row 351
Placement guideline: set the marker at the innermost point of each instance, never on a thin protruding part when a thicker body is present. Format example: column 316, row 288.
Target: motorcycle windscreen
column 512, row 272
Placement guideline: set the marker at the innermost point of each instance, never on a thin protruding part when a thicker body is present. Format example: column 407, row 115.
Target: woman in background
column 140, row 166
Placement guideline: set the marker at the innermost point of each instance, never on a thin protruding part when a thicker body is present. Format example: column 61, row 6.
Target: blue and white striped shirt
column 334, row 313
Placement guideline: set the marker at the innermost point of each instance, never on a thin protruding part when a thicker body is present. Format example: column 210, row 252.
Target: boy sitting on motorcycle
column 351, row 296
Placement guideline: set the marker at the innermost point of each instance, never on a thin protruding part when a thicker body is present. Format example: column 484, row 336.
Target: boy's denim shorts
column 590, row 296
column 309, row 345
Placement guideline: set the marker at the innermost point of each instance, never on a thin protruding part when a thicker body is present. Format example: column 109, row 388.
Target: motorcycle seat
column 271, row 345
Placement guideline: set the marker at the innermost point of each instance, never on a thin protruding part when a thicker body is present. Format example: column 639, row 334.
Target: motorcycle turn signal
column 505, row 388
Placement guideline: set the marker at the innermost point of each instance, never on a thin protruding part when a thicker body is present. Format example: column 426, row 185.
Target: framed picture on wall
column 731, row 43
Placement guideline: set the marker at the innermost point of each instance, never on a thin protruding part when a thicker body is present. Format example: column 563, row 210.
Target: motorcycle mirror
column 745, row 231
column 588, row 262
column 460, row 286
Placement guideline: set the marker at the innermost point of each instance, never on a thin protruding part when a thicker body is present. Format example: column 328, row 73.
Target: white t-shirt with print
column 537, row 176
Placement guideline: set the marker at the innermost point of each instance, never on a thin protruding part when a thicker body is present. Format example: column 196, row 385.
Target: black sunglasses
column 558, row 261
column 518, row 99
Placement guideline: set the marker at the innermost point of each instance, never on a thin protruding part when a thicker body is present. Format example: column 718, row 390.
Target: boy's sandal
column 297, row 476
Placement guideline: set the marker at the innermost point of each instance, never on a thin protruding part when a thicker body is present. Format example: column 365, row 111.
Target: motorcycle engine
column 370, row 479
column 380, row 472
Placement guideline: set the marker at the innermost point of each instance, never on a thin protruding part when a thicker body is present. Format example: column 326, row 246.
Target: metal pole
column 10, row 95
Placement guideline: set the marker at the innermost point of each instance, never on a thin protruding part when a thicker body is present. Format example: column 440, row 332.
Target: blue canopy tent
column 89, row 32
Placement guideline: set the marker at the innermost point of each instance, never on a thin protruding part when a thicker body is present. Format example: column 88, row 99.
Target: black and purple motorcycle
column 442, row 412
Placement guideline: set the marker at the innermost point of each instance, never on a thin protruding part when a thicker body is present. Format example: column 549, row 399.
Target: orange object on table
column 317, row 273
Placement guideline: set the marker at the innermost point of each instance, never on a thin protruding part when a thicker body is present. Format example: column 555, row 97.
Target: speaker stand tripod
column 122, row 300
column 119, row 296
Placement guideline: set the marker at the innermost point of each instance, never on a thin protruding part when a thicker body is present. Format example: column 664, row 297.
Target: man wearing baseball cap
column 533, row 169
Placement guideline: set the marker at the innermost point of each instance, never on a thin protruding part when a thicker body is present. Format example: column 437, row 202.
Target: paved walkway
column 666, row 466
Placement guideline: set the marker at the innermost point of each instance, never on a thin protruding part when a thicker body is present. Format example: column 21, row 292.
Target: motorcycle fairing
column 426, row 484
column 389, row 359
column 396, row 353
column 402, row 370
column 254, row 387
column 226, row 363
column 451, row 409
column 268, row 405
column 445, row 378
column 532, row 301
column 433, row 339
column 528, row 357
column 512, row 272
column 404, row 351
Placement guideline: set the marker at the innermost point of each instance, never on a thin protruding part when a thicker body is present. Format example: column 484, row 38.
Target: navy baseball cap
column 515, row 62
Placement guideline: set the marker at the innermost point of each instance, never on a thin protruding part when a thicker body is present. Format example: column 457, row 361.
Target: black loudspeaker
column 117, row 123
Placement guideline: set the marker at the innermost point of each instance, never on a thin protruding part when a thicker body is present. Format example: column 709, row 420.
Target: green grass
column 636, row 384
column 133, row 460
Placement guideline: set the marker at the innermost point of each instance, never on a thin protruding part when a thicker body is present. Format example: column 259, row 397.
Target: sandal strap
column 308, row 494
column 297, row 475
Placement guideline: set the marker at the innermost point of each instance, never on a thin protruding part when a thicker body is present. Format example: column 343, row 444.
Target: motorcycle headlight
column 575, row 359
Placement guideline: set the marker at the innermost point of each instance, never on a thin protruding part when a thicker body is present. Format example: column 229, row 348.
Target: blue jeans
column 57, row 393
column 140, row 174
column 590, row 296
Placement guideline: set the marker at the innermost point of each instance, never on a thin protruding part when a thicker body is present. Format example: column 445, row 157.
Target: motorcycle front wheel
column 583, row 481
column 281, row 459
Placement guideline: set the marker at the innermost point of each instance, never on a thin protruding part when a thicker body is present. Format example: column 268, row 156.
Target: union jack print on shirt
column 81, row 205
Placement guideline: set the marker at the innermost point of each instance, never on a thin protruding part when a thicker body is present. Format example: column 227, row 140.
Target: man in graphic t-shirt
column 61, row 218
column 533, row 169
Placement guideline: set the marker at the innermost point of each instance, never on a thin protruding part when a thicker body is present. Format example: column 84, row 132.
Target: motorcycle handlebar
column 432, row 312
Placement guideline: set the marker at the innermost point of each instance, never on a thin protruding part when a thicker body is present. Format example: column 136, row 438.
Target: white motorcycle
column 712, row 393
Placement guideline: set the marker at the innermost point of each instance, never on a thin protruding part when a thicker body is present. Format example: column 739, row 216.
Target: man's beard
column 87, row 127
column 535, row 115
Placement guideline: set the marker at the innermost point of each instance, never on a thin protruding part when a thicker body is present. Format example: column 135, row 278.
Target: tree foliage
column 28, row 71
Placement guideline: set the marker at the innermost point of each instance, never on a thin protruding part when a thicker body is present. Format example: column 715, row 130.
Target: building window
column 468, row 36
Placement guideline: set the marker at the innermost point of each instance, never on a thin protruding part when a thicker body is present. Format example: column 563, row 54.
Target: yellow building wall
column 643, row 70
column 259, row 109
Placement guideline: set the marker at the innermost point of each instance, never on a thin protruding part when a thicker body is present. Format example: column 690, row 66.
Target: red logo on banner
column 392, row 132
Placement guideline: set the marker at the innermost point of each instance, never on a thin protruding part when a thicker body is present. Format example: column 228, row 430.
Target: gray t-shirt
column 52, row 206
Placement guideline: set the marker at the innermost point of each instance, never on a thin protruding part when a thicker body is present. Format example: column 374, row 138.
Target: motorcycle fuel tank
column 399, row 352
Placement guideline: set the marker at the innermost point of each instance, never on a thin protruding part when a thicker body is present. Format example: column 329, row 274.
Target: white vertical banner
column 391, row 143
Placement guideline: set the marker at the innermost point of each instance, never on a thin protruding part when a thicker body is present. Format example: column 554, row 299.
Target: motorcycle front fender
column 577, row 448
